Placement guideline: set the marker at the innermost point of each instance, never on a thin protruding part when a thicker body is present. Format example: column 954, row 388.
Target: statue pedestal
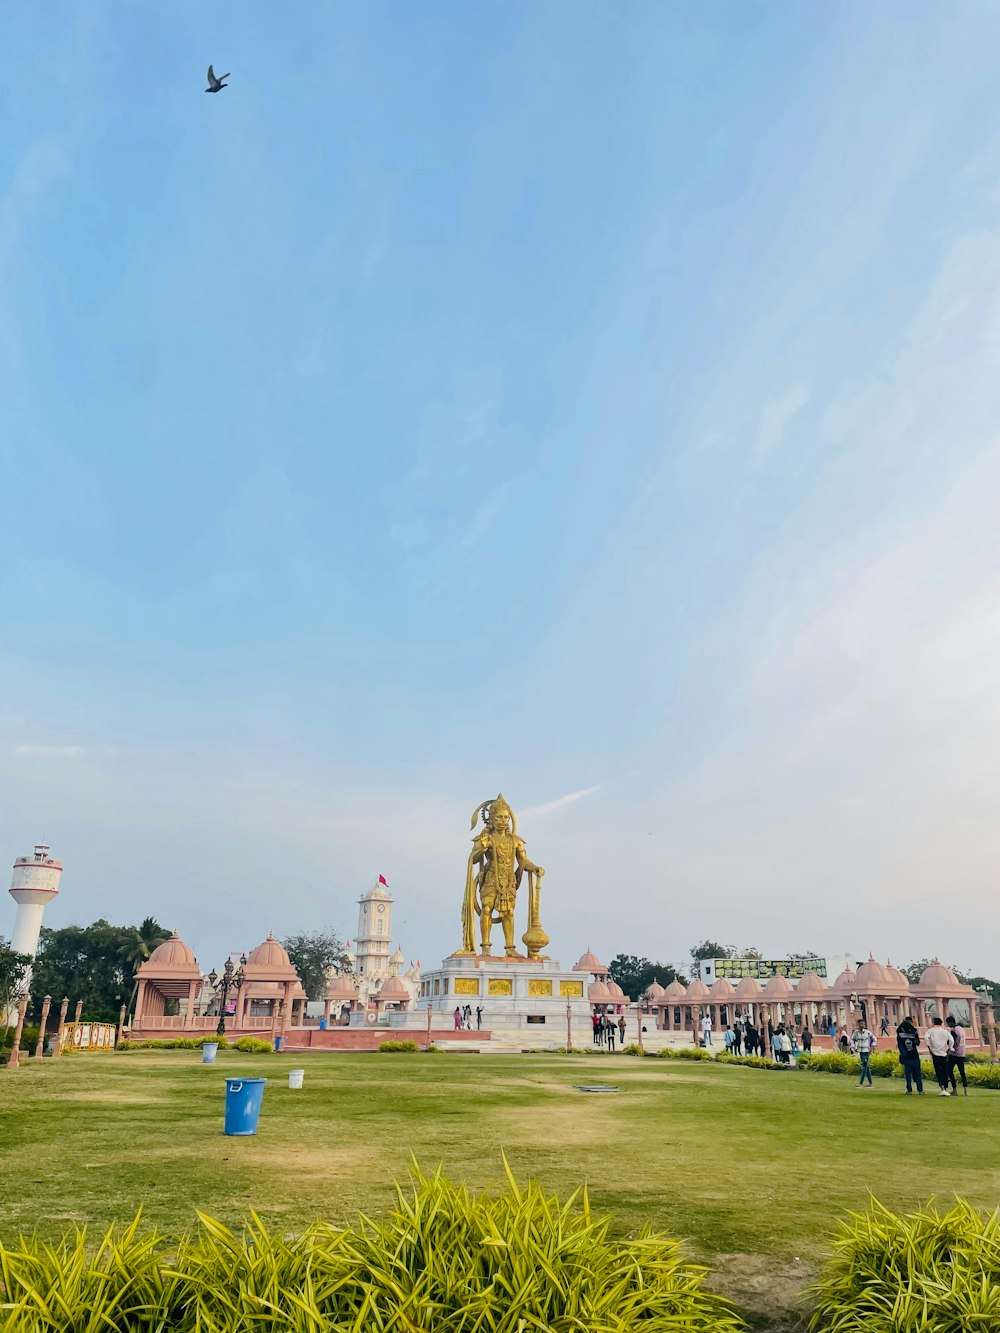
column 513, row 993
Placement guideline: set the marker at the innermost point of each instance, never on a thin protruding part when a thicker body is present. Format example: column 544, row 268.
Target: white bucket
column 295, row 1077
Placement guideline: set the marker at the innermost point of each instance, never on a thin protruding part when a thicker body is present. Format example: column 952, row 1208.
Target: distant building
column 763, row 969
column 33, row 885
column 371, row 960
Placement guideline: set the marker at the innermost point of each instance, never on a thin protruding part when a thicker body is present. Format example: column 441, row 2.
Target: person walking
column 845, row 1041
column 621, row 1030
column 479, row 1017
column 956, row 1058
column 863, row 1043
column 908, row 1045
column 596, row 1021
column 751, row 1039
column 738, row 1036
column 729, row 1039
column 940, row 1042
column 884, row 1027
column 807, row 1040
column 458, row 1018
column 706, row 1030
column 611, row 1030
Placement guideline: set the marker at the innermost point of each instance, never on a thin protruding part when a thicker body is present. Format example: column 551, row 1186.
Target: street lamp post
column 231, row 979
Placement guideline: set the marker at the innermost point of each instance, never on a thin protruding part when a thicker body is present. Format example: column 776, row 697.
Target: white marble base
column 514, row 994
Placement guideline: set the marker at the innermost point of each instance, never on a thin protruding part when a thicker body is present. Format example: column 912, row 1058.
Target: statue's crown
column 486, row 810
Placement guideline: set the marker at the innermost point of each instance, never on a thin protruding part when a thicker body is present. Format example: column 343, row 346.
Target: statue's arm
column 523, row 860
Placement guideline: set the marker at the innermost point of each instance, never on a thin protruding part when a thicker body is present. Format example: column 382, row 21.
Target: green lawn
column 751, row 1167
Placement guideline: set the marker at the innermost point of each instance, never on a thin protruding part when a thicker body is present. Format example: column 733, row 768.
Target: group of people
column 742, row 1036
column 463, row 1017
column 946, row 1044
column 944, row 1040
column 607, row 1028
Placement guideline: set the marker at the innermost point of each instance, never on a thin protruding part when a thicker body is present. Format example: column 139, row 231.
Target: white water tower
column 34, row 884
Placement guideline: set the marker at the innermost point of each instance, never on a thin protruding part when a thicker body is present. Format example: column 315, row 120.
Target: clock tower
column 374, row 936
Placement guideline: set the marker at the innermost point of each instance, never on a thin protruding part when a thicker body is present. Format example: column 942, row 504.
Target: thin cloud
column 537, row 811
column 778, row 416
column 49, row 751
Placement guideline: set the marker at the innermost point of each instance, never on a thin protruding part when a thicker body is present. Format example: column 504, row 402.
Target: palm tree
column 137, row 950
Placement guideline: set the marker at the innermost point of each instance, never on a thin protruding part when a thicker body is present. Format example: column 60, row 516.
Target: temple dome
column 748, row 988
column 398, row 957
column 589, row 962
column 269, row 954
column 872, row 976
column 937, row 976
column 172, row 953
column 675, row 990
column 393, row 989
column 723, row 989
column 811, row 987
column 845, row 982
column 900, row 978
column 654, row 991
column 697, row 990
column 341, row 987
column 616, row 991
column 598, row 993
column 778, row 987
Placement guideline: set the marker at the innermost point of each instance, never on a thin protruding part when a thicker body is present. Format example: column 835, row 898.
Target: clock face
column 381, row 907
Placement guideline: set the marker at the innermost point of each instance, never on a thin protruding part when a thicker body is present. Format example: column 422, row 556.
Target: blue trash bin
column 323, row 1025
column 243, row 1099
column 277, row 1043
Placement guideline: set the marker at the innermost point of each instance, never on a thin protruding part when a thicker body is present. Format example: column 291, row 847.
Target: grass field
column 751, row 1168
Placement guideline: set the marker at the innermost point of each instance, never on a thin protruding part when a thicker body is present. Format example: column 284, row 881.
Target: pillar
column 638, row 1024
column 569, row 1029
column 286, row 1009
column 79, row 1011
column 140, row 1004
column 430, row 1019
column 61, row 1035
column 193, row 990
column 39, row 1045
column 327, row 1004
column 121, row 1024
column 15, row 1050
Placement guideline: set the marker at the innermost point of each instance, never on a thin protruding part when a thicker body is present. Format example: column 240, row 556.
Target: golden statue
column 491, row 891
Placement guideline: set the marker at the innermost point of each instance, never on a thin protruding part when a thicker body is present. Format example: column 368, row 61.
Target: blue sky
column 594, row 402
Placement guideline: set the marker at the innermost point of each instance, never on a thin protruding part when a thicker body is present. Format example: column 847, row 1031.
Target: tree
column 84, row 963
column 137, row 950
column 635, row 975
column 709, row 949
column 312, row 956
column 144, row 941
column 13, row 969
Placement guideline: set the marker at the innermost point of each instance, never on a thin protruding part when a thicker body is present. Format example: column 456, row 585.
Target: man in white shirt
column 939, row 1043
column 863, row 1043
column 706, row 1030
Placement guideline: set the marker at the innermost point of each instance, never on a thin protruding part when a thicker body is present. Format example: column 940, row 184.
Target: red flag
column 382, row 880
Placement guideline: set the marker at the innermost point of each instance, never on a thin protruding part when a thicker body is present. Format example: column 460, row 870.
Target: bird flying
column 215, row 85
